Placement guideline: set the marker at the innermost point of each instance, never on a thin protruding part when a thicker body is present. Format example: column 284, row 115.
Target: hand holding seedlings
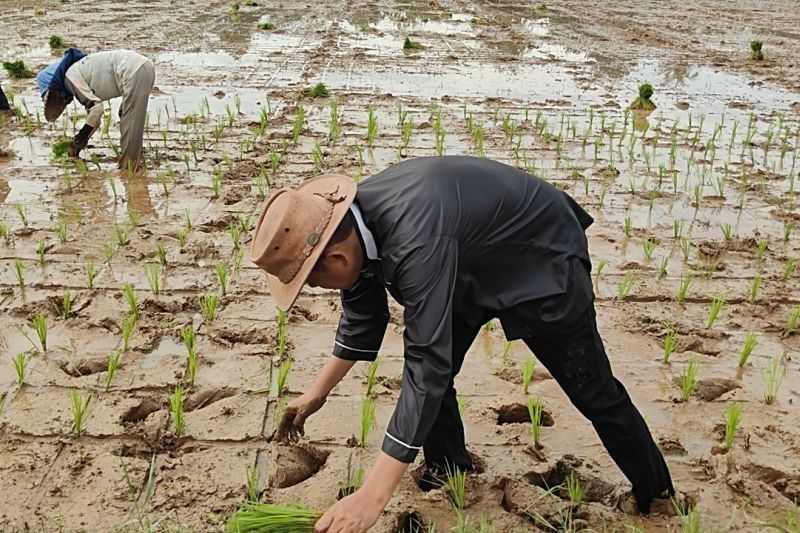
column 291, row 426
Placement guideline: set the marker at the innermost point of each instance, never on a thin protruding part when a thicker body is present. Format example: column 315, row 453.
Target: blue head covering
column 52, row 77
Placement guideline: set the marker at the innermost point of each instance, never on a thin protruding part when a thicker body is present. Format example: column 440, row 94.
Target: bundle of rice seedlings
column 61, row 147
column 270, row 518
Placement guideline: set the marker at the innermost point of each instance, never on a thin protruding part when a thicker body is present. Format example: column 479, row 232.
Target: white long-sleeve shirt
column 102, row 76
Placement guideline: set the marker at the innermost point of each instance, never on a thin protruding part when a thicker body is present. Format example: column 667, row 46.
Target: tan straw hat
column 54, row 105
column 294, row 227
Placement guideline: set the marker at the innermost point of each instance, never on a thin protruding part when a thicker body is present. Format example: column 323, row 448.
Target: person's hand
column 294, row 417
column 76, row 146
column 353, row 514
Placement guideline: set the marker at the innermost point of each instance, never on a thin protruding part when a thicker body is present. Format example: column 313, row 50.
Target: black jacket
column 454, row 235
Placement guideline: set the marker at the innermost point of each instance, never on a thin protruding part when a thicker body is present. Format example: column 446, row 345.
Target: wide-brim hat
column 293, row 230
column 54, row 105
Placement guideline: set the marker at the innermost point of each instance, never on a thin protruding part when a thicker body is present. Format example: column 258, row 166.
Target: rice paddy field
column 144, row 364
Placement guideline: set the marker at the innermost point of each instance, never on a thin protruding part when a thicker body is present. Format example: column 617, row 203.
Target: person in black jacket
column 4, row 101
column 456, row 241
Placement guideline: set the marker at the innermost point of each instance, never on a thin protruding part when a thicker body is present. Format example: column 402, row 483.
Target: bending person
column 93, row 79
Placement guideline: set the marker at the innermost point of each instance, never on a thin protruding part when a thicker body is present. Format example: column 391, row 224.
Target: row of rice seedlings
column 189, row 338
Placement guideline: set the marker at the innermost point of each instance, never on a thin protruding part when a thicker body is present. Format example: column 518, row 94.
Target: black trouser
column 572, row 351
column 3, row 102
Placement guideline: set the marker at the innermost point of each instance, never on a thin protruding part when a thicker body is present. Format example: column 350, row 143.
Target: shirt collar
column 366, row 234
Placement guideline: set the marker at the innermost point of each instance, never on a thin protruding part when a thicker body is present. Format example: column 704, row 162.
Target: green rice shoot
column 262, row 517
column 79, row 405
column 732, row 418
column 367, row 419
column 528, row 366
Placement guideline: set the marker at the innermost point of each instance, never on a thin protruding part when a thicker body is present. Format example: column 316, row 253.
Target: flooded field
column 109, row 280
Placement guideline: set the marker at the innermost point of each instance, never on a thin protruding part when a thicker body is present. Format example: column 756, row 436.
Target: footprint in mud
column 516, row 413
column 295, row 464
column 409, row 522
column 84, row 367
column 710, row 389
column 204, row 398
column 137, row 413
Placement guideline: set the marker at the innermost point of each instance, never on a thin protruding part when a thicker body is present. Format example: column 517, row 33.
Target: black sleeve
column 425, row 280
column 365, row 315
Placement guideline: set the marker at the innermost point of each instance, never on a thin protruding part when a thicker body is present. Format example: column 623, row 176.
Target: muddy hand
column 294, row 417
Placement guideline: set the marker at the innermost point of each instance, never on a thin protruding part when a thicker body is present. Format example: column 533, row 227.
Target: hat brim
column 54, row 105
column 285, row 294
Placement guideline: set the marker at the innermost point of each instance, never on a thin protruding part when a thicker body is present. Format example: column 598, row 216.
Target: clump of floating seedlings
column 176, row 406
column 39, row 324
column 367, row 419
column 113, row 364
column 643, row 101
column 208, row 306
column 20, row 362
column 79, row 405
column 535, row 413
column 267, row 26
column 317, row 91
column 260, row 517
column 732, row 419
column 372, row 376
column 17, row 69
column 772, row 377
column 528, row 366
column 189, row 338
column 408, row 44
column 56, row 42
column 688, row 379
column 756, row 51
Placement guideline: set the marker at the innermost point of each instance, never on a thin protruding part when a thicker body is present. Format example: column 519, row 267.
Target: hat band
column 313, row 238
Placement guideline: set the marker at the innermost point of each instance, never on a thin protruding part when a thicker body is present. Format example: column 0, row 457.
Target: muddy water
column 550, row 89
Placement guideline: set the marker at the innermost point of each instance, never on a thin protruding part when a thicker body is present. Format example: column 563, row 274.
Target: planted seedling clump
column 61, row 147
column 267, row 26
column 643, row 102
column 56, row 42
column 317, row 91
column 755, row 50
column 408, row 44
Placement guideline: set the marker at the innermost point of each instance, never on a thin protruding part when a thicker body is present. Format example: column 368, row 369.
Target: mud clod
column 295, row 464
column 204, row 398
column 516, row 413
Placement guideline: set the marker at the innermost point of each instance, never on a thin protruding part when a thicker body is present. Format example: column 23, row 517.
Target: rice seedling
column 372, row 376
column 57, row 42
column 643, row 101
column 677, row 228
column 267, row 26
column 600, row 266
column 208, row 306
column 61, row 231
column 41, row 250
column 716, row 306
column 756, row 50
column 750, row 341
column 754, row 288
column 113, row 364
column 627, row 226
column 689, row 379
column 189, row 339
column 17, row 69
column 456, row 486
column 153, row 273
column 788, row 268
column 683, row 287
column 662, row 267
column 161, row 254
column 39, row 324
column 771, row 377
column 283, row 336
column 121, row 235
column 176, row 406
column 299, row 119
column 686, row 248
column 3, row 397
column 130, row 297
column 408, row 44
column 79, row 405
column 128, row 326
column 761, row 251
column 372, row 125
column 527, row 372
column 258, row 517
column 252, row 481
column 133, row 218
column 283, row 376
column 689, row 519
column 792, row 321
column 625, row 286
column 670, row 341
column 108, row 252
column 463, row 404
column 535, row 413
column 222, row 277
column 649, row 246
column 5, row 233
column 19, row 272
column 575, row 491
column 727, row 231
column 65, row 311
column 367, row 419
column 20, row 362
column 787, row 230
column 732, row 418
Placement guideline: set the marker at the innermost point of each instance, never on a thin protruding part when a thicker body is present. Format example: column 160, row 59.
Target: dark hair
column 345, row 228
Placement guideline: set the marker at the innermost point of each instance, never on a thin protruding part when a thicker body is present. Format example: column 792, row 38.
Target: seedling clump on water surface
column 643, row 101
column 732, row 419
column 408, row 44
column 268, row 26
column 258, row 517
column 176, row 405
column 688, row 379
column 317, row 91
column 755, row 50
column 61, row 147
column 17, row 69
column 79, row 404
column 56, row 42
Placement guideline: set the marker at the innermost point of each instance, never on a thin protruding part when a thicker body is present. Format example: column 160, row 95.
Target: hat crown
column 290, row 229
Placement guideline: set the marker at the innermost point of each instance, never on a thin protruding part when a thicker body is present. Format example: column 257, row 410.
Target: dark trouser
column 572, row 351
column 575, row 357
column 3, row 102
